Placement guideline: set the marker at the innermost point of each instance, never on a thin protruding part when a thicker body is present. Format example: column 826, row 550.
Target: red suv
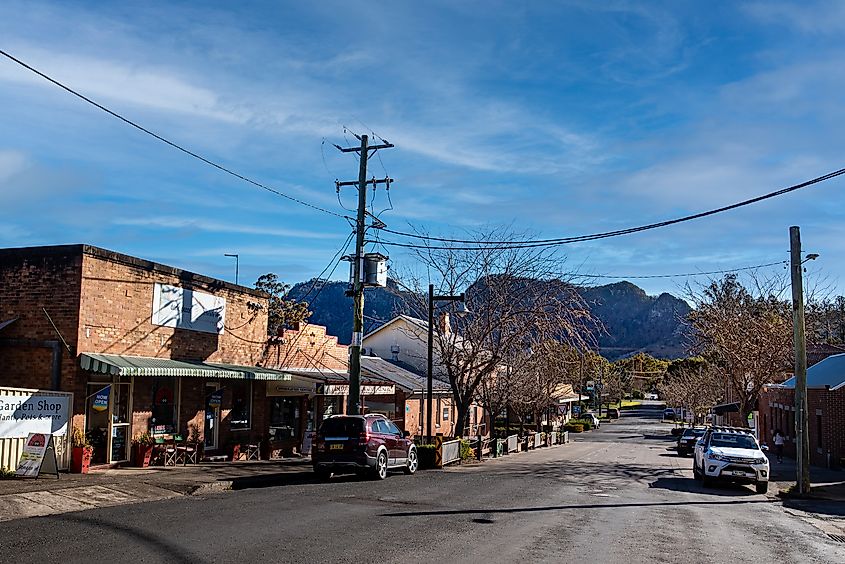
column 362, row 444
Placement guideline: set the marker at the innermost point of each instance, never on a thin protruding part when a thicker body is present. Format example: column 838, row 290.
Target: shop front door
column 107, row 420
column 211, row 429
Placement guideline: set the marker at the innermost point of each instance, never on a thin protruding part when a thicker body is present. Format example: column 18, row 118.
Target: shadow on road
column 688, row 485
column 447, row 512
column 162, row 545
column 821, row 506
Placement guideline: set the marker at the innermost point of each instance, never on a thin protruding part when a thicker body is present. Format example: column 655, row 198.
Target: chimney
column 445, row 326
column 394, row 352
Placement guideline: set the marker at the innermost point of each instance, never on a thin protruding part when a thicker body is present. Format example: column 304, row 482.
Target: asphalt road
column 614, row 495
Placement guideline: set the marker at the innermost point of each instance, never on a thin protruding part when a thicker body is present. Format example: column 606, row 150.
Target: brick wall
column 308, row 347
column 115, row 314
column 777, row 412
column 30, row 283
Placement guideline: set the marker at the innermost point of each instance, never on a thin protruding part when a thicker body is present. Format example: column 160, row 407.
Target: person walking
column 779, row 441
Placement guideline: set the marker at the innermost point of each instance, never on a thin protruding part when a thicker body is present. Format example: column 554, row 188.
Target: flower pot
column 80, row 459
column 142, row 455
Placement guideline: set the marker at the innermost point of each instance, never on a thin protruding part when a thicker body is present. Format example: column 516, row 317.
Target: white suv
column 730, row 454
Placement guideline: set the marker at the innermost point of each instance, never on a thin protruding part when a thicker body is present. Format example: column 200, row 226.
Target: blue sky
column 562, row 118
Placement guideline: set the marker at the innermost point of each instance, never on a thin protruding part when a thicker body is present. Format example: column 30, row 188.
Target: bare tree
column 746, row 336
column 517, row 298
column 692, row 384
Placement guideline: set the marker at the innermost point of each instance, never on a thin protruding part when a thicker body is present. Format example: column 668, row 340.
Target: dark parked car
column 364, row 444
column 669, row 414
column 686, row 442
column 613, row 413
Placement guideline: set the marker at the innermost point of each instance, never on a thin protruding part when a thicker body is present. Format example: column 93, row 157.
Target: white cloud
column 157, row 88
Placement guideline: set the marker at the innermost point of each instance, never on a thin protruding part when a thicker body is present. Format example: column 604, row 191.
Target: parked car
column 364, row 444
column 613, row 413
column 669, row 414
column 686, row 442
column 731, row 454
column 591, row 417
column 651, row 396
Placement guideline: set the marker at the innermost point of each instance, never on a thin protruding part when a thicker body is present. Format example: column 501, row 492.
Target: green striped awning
column 122, row 365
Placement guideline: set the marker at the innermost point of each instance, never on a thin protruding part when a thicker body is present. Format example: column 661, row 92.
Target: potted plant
column 81, row 452
column 142, row 449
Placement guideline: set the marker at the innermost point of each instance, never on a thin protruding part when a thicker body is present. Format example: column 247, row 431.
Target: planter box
column 80, row 460
column 143, row 455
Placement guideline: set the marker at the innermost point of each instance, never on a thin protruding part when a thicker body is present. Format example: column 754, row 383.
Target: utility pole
column 800, row 347
column 354, row 400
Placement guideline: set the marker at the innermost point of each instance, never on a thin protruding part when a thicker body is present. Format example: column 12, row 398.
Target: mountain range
column 632, row 320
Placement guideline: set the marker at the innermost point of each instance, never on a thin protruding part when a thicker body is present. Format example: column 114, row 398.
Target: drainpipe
column 54, row 346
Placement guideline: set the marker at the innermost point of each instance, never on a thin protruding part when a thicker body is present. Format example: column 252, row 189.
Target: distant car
column 362, row 444
column 686, row 442
column 591, row 418
column 613, row 413
column 669, row 414
column 651, row 396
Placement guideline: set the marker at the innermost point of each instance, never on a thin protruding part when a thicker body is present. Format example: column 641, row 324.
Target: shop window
column 164, row 409
column 388, row 409
column 240, row 418
column 445, row 414
column 284, row 418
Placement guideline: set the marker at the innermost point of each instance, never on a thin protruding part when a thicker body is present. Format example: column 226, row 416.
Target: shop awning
column 122, row 365
column 723, row 408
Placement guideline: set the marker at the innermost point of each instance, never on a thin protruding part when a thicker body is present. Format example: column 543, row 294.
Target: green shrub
column 574, row 427
column 588, row 425
column 638, row 395
column 467, row 452
column 426, row 455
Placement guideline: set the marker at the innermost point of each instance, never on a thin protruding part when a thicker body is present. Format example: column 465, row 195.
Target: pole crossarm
column 359, row 149
column 373, row 182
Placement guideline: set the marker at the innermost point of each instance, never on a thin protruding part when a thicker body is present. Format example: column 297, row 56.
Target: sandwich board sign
column 38, row 456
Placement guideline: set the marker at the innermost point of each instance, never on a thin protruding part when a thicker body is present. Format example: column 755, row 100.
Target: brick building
column 826, row 405
column 144, row 347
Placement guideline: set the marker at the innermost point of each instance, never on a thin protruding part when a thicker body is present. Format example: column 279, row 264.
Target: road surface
column 614, row 495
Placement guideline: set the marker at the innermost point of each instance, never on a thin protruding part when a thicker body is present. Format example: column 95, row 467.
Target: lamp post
column 430, row 383
column 236, row 257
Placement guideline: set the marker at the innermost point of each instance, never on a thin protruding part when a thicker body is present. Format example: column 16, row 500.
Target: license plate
column 336, row 447
column 739, row 473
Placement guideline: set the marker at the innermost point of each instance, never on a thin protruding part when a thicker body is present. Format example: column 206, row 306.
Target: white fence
column 11, row 445
column 451, row 452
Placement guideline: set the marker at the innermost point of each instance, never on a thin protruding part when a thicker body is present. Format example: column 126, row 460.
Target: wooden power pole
column 354, row 400
column 800, row 347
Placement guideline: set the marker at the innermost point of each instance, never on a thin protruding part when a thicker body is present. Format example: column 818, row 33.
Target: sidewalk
column 825, row 483
column 47, row 495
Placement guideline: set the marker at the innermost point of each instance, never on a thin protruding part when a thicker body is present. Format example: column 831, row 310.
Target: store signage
column 101, row 399
column 343, row 390
column 38, row 455
column 215, row 400
column 21, row 415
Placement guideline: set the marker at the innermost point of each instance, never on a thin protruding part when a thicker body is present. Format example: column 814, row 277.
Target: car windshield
column 733, row 440
column 341, row 427
column 693, row 432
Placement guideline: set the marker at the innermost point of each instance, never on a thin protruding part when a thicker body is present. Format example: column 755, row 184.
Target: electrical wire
column 529, row 243
column 684, row 275
column 334, row 258
column 167, row 141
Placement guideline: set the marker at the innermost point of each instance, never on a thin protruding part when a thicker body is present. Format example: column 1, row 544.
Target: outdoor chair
column 251, row 451
column 188, row 452
column 171, row 452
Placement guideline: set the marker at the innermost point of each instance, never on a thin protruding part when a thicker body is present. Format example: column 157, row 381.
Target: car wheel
column 412, row 461
column 695, row 472
column 761, row 487
column 323, row 474
column 380, row 470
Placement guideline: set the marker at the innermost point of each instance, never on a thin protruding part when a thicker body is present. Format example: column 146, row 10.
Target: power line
column 167, row 141
column 319, row 277
column 500, row 245
column 684, row 275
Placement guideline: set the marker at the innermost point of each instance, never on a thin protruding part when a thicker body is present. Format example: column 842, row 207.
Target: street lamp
column 462, row 310
column 236, row 257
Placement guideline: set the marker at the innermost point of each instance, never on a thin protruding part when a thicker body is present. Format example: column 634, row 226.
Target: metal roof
column 373, row 366
column 828, row 372
column 123, row 365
